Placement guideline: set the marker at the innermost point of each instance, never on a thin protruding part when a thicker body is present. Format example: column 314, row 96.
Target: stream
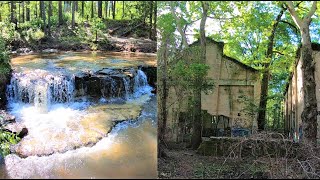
column 88, row 115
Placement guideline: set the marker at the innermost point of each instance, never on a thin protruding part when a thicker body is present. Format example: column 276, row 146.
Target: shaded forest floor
column 183, row 163
column 119, row 35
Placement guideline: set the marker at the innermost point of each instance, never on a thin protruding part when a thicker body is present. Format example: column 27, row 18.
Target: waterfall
column 141, row 85
column 40, row 88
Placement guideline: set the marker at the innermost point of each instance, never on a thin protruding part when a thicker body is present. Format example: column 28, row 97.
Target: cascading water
column 71, row 134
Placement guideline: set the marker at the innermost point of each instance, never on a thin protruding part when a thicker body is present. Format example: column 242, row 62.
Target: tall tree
column 309, row 113
column 92, row 12
column 106, row 7
column 155, row 21
column 22, row 4
column 100, row 9
column 27, row 10
column 60, row 13
column 12, row 11
column 114, row 10
column 123, row 9
column 82, row 9
column 197, row 120
column 73, row 14
column 150, row 19
column 49, row 17
column 43, row 16
column 266, row 74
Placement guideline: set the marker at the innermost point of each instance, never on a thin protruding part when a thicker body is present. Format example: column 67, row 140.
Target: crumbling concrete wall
column 294, row 100
column 232, row 79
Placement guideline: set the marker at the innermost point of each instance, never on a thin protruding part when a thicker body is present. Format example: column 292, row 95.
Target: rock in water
column 23, row 132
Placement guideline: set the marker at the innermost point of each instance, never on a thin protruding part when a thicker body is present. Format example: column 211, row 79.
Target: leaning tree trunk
column 309, row 113
column 265, row 76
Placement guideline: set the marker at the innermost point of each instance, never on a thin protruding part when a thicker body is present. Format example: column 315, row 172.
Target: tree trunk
column 179, row 27
column 43, row 16
column 114, row 10
column 12, row 12
column 92, row 13
column 155, row 22
column 60, row 13
column 76, row 6
column 122, row 9
column 82, row 9
column 265, row 76
column 49, row 17
column 73, row 13
column 36, row 10
column 22, row 4
column 309, row 113
column 162, row 95
column 197, row 121
column 27, row 11
column 150, row 19
column 19, row 13
column 100, row 9
column 106, row 6
column 110, row 9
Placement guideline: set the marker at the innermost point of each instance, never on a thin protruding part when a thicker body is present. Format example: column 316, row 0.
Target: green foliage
column 188, row 71
column 7, row 139
column 33, row 34
column 4, row 58
column 7, row 31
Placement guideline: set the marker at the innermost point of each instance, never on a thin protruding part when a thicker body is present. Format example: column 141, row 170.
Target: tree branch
column 311, row 12
column 184, row 38
column 278, row 52
column 291, row 25
column 294, row 14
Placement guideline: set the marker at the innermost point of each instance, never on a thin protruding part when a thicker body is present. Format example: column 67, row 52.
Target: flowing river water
column 88, row 115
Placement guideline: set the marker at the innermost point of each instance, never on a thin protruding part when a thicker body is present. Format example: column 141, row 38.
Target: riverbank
column 118, row 36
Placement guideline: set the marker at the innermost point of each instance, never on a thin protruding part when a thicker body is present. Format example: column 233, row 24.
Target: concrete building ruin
column 294, row 100
column 222, row 108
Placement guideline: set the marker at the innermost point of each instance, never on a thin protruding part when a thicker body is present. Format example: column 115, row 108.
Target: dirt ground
column 185, row 163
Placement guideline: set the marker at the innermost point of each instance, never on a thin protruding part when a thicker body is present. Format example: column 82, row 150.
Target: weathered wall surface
column 232, row 79
column 294, row 100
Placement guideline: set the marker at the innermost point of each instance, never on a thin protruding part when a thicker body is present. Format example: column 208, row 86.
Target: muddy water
column 80, row 138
